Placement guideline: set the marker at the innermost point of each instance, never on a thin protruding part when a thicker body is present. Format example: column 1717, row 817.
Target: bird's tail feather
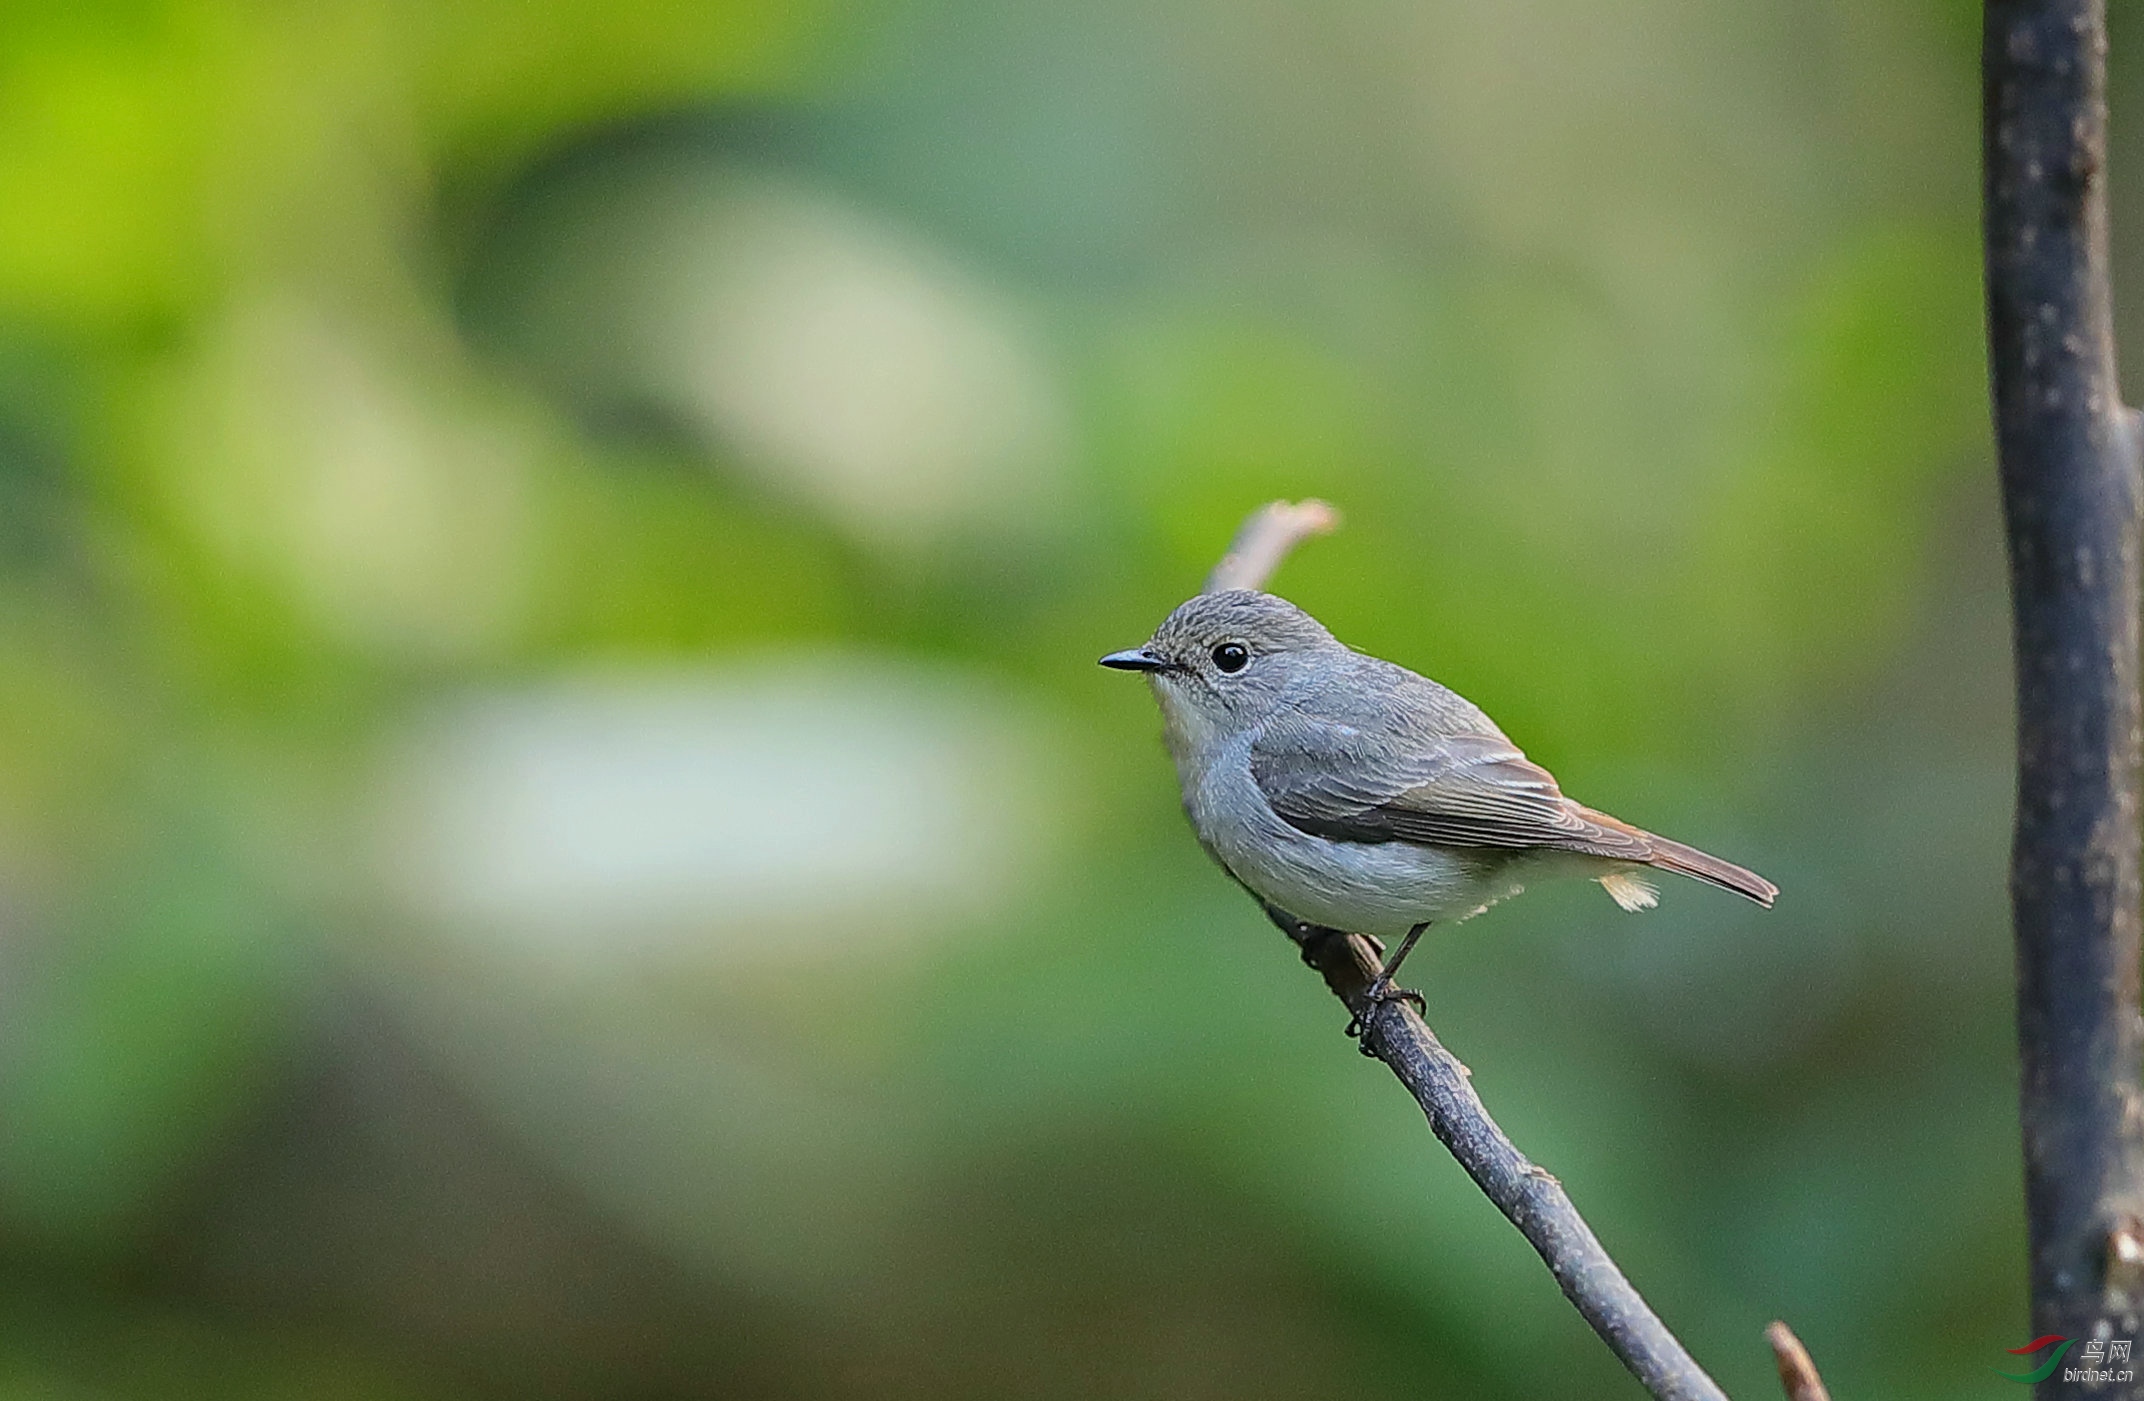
column 1689, row 861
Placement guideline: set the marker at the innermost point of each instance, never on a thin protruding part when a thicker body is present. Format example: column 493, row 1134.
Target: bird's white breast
column 1382, row 888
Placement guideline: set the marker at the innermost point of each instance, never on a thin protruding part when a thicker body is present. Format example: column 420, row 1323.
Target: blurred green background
column 559, row 831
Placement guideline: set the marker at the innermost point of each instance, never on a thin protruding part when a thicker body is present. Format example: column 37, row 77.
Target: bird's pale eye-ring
column 1231, row 656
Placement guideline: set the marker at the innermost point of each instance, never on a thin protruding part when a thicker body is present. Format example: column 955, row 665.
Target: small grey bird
column 1355, row 794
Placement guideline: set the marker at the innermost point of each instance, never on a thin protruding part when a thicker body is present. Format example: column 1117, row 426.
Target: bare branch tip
column 1317, row 517
column 1797, row 1373
column 1266, row 537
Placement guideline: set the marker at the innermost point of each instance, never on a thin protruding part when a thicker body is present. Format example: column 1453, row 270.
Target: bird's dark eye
column 1232, row 656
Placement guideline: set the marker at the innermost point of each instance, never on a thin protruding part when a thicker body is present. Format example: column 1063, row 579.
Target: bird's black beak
column 1138, row 659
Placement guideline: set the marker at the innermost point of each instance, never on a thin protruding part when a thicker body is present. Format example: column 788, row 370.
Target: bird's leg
column 1381, row 990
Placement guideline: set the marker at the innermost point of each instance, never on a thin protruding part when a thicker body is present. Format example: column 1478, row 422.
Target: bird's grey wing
column 1333, row 780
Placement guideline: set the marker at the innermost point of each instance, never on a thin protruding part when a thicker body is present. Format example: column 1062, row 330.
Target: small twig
column 1533, row 1200
column 1265, row 540
column 1796, row 1372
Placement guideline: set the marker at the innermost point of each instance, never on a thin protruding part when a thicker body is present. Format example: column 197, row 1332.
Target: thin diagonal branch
column 1529, row 1197
column 1533, row 1200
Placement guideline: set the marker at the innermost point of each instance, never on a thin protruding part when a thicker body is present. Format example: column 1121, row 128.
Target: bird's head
column 1221, row 661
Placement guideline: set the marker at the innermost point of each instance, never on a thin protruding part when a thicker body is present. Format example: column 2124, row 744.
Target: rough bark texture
column 2069, row 473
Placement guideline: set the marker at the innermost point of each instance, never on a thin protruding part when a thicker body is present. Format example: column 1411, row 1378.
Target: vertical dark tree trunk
column 2069, row 471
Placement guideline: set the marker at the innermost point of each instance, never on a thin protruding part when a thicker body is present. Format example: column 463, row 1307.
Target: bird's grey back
column 1383, row 698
